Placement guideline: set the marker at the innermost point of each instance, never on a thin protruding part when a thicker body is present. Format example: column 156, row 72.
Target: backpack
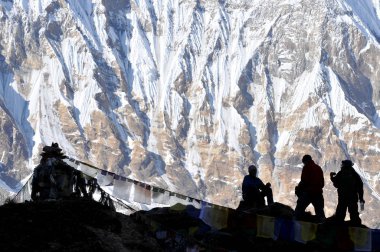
column 348, row 184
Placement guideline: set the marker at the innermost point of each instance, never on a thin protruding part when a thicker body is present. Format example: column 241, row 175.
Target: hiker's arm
column 360, row 188
column 335, row 179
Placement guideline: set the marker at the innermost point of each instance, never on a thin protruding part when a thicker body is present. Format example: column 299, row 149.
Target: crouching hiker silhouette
column 350, row 190
column 254, row 190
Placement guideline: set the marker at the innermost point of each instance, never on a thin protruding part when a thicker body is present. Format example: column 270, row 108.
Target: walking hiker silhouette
column 310, row 189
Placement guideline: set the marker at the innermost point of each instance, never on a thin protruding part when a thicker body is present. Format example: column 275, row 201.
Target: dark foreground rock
column 86, row 225
column 70, row 225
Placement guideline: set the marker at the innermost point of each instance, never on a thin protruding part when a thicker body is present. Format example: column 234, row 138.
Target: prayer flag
column 142, row 195
column 122, row 189
column 304, row 231
column 160, row 197
column 196, row 203
column 88, row 170
column 214, row 217
column 180, row 196
column 265, row 226
column 181, row 199
column 284, row 229
column 361, row 237
column 160, row 235
column 375, row 239
column 105, row 179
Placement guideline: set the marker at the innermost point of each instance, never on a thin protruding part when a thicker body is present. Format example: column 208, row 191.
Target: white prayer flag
column 142, row 194
column 122, row 189
column 160, row 196
column 105, row 178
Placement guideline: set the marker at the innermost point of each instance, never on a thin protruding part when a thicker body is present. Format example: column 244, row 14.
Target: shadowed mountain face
column 186, row 94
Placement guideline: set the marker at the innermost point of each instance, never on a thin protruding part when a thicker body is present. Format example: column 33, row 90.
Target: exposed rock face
column 187, row 94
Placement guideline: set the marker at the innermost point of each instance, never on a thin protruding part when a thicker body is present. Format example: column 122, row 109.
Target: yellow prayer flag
column 305, row 231
column 265, row 226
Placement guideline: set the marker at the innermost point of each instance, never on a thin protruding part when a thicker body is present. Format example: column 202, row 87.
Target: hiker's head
column 252, row 170
column 347, row 163
column 306, row 159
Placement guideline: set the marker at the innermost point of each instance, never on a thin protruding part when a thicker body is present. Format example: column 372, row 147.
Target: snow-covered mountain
column 185, row 94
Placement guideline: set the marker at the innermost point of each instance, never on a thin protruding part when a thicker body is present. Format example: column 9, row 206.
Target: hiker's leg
column 302, row 202
column 354, row 213
column 341, row 209
column 318, row 203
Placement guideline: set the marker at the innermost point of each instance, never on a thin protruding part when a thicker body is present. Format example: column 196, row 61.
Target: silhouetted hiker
column 52, row 178
column 310, row 189
column 350, row 190
column 254, row 190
